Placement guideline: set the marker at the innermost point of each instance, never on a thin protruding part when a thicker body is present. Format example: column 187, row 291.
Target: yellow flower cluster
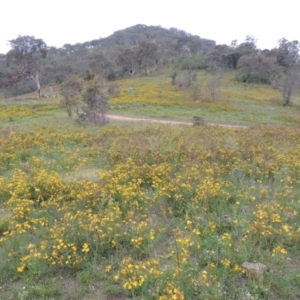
column 279, row 250
column 134, row 274
column 172, row 292
column 7, row 112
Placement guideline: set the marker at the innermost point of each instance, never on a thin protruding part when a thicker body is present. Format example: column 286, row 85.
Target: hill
column 104, row 56
column 141, row 49
column 132, row 36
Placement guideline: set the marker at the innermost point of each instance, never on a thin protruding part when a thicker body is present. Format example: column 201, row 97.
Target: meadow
column 237, row 103
column 150, row 211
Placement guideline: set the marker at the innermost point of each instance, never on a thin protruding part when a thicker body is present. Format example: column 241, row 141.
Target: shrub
column 95, row 103
column 198, row 121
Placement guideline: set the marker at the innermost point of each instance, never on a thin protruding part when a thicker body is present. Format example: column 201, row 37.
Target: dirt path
column 151, row 120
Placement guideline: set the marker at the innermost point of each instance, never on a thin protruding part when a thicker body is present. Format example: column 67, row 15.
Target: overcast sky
column 59, row 22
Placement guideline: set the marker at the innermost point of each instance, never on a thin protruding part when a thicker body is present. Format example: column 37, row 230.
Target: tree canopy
column 24, row 58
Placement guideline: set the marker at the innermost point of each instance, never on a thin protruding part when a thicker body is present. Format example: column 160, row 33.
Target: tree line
column 31, row 63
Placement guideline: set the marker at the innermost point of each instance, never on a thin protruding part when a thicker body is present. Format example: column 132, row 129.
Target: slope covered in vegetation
column 146, row 211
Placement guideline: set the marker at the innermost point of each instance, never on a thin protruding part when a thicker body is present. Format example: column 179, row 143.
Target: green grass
column 155, row 97
column 236, row 102
column 242, row 114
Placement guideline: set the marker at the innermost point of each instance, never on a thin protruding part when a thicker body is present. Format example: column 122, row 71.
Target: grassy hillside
column 236, row 102
column 149, row 211
column 155, row 96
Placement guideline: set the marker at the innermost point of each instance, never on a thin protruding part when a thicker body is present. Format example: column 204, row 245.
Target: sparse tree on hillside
column 248, row 47
column 128, row 59
column 70, row 90
column 2, row 68
column 184, row 45
column 257, row 68
column 216, row 57
column 288, row 85
column 287, row 53
column 214, row 83
column 147, row 54
column 68, row 47
column 232, row 59
column 95, row 103
column 25, row 58
column 184, row 80
column 99, row 62
column 191, row 45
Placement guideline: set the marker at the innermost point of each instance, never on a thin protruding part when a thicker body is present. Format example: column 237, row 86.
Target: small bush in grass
column 197, row 120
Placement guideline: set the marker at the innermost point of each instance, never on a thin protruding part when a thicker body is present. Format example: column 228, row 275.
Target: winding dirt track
column 151, row 120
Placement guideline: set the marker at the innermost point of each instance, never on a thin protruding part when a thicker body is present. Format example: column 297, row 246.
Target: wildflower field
column 146, row 211
column 149, row 212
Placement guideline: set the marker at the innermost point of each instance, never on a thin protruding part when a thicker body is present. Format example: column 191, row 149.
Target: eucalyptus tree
column 25, row 59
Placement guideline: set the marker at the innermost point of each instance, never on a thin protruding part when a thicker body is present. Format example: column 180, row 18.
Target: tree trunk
column 287, row 100
column 37, row 82
column 132, row 71
column 69, row 110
